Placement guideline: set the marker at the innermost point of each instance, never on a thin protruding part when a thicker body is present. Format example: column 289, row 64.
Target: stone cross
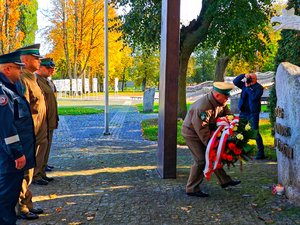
column 288, row 20
column 168, row 89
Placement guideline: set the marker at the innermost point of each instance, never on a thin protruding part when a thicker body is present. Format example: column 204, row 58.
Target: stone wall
column 287, row 132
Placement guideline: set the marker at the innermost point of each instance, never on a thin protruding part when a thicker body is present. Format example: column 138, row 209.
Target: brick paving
column 113, row 180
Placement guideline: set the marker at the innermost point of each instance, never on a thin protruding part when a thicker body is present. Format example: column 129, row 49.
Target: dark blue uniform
column 16, row 139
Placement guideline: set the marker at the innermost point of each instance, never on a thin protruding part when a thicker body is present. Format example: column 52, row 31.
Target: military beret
column 31, row 50
column 13, row 57
column 223, row 87
column 48, row 62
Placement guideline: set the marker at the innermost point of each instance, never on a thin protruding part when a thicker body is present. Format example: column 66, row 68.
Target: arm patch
column 203, row 116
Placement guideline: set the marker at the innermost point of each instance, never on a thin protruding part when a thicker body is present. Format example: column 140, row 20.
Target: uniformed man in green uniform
column 196, row 129
column 31, row 57
column 43, row 74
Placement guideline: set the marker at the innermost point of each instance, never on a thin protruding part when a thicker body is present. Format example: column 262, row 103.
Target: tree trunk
column 65, row 37
column 221, row 68
column 123, row 82
column 76, row 39
column 190, row 37
column 144, row 83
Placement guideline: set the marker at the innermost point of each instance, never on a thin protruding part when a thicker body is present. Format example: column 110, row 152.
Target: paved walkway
column 113, row 180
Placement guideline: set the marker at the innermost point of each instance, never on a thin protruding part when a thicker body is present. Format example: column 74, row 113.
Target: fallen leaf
column 271, row 221
column 146, row 174
column 254, row 204
column 168, row 189
column 58, row 209
column 272, row 211
column 90, row 218
column 279, row 209
column 104, row 182
column 63, row 219
column 95, row 185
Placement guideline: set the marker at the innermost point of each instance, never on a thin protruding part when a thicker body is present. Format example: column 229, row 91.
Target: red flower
column 219, row 166
column 229, row 158
column 224, row 156
column 237, row 151
column 231, row 146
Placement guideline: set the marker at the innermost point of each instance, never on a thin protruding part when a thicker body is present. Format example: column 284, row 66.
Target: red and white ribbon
column 222, row 122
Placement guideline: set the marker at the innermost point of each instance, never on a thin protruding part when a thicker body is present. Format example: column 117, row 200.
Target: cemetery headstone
column 148, row 100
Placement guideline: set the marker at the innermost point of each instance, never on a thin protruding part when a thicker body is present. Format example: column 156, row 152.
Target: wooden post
column 168, row 89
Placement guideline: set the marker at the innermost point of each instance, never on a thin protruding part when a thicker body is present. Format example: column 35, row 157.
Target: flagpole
column 106, row 119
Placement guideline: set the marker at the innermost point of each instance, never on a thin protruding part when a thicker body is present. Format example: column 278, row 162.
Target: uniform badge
column 3, row 100
column 203, row 116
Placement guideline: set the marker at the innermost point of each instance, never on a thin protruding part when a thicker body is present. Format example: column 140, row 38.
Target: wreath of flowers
column 228, row 144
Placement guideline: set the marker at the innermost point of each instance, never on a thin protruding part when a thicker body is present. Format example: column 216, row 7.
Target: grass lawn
column 78, row 111
column 150, row 131
column 155, row 107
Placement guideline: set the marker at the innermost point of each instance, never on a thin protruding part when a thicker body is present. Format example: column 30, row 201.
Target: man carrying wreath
column 198, row 124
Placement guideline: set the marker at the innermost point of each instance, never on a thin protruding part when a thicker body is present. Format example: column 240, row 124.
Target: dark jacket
column 16, row 131
column 250, row 96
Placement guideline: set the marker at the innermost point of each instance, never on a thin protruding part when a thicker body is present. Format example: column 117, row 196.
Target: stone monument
column 148, row 100
column 287, row 126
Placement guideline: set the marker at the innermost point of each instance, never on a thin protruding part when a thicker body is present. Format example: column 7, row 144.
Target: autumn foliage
column 77, row 35
column 10, row 36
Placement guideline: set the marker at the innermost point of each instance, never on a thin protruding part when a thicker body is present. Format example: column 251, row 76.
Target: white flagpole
column 106, row 119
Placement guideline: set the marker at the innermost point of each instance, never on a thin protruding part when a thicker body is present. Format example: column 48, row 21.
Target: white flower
column 230, row 118
column 240, row 136
column 247, row 127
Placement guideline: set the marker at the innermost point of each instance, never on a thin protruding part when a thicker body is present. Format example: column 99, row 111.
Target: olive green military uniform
column 36, row 99
column 52, row 113
column 196, row 129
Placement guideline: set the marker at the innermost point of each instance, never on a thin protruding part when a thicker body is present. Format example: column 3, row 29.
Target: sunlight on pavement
column 102, row 170
column 54, row 196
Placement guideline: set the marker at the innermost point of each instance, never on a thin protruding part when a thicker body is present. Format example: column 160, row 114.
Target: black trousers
column 10, row 187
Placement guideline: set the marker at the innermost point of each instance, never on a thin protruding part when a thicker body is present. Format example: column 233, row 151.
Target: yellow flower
column 230, row 118
column 234, row 128
column 247, row 127
column 219, row 134
column 240, row 136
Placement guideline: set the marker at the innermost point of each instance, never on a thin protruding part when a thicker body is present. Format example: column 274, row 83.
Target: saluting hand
column 20, row 162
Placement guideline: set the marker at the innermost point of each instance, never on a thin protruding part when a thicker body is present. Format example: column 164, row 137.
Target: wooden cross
column 168, row 89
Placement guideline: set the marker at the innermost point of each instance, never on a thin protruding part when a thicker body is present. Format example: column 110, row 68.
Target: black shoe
column 231, row 183
column 198, row 194
column 260, row 156
column 48, row 178
column 28, row 216
column 36, row 211
column 51, row 167
column 48, row 169
column 40, row 182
